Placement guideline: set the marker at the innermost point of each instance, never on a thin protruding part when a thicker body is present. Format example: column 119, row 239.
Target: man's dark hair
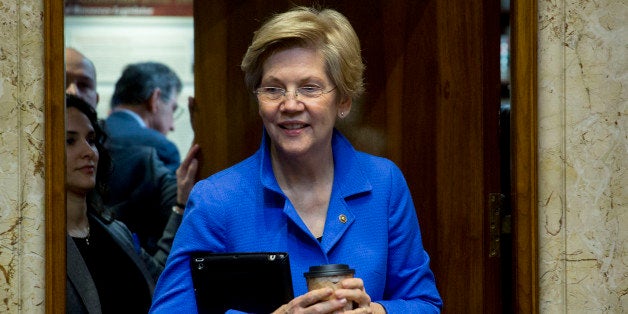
column 139, row 80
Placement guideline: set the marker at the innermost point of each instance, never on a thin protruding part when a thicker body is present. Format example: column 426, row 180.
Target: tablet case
column 250, row 282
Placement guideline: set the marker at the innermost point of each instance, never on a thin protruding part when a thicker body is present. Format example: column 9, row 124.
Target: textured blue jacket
column 242, row 209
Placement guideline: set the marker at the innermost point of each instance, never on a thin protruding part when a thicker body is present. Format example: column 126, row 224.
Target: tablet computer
column 257, row 282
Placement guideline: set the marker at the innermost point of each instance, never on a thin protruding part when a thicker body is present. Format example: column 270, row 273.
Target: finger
column 192, row 169
column 325, row 305
column 191, row 103
column 193, row 150
column 356, row 294
column 190, row 156
column 192, row 110
column 329, row 306
column 352, row 283
column 282, row 309
column 316, row 296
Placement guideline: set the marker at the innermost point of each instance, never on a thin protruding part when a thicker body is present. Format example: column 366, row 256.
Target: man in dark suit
column 143, row 106
column 142, row 192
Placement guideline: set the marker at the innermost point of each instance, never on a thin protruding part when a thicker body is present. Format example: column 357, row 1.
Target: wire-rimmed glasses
column 274, row 94
column 177, row 112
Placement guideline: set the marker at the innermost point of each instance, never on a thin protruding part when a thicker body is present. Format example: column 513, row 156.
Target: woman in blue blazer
column 307, row 191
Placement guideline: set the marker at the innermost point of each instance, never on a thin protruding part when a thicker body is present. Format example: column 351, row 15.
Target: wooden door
column 432, row 106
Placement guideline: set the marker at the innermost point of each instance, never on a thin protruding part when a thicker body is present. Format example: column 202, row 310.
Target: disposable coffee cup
column 329, row 275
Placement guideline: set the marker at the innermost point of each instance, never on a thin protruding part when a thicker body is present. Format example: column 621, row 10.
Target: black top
column 121, row 288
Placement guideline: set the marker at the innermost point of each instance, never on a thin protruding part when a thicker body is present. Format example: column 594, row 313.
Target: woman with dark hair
column 107, row 272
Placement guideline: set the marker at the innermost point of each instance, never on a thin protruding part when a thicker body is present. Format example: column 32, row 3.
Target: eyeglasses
column 273, row 94
column 177, row 113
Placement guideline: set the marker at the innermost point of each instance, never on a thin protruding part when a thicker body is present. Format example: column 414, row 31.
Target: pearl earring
column 342, row 114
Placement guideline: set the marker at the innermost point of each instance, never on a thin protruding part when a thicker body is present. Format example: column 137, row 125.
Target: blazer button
column 342, row 218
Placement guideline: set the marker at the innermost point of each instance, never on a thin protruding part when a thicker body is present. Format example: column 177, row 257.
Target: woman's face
column 299, row 125
column 81, row 153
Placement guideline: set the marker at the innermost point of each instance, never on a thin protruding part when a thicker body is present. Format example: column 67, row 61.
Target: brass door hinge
column 495, row 208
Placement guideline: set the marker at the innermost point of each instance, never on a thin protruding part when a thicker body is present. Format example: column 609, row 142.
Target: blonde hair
column 327, row 31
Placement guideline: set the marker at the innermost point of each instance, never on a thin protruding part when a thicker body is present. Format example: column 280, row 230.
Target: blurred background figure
column 148, row 197
column 143, row 192
column 80, row 77
column 143, row 106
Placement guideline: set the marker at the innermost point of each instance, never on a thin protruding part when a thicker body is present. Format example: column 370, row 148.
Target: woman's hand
column 352, row 289
column 327, row 300
column 316, row 302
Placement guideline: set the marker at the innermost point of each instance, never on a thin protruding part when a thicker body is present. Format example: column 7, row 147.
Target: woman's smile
column 292, row 126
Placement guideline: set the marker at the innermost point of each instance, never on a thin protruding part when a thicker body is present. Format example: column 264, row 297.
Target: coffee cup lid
column 329, row 270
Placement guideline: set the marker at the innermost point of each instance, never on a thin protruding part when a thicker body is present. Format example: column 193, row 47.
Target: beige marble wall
column 583, row 213
column 21, row 158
